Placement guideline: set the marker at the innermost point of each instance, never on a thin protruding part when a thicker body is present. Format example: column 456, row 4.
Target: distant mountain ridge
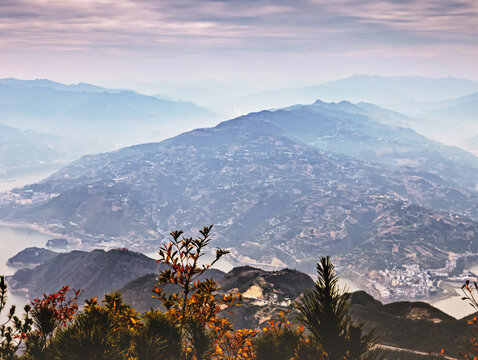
column 381, row 90
column 389, row 89
column 457, row 108
column 52, row 84
column 103, row 116
column 454, row 120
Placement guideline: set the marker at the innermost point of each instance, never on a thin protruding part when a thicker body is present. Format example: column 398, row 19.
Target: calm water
column 453, row 305
column 13, row 240
column 7, row 184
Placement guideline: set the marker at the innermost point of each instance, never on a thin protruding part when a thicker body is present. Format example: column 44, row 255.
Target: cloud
column 244, row 23
column 239, row 27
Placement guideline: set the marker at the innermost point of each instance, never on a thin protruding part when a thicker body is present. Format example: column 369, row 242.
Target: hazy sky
column 280, row 42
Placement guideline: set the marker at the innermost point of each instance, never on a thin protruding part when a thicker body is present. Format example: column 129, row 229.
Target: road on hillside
column 416, row 352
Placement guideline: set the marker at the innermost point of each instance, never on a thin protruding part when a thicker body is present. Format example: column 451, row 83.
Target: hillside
column 24, row 151
column 281, row 285
column 96, row 273
column 373, row 134
column 252, row 282
column 427, row 328
column 31, row 256
column 414, row 326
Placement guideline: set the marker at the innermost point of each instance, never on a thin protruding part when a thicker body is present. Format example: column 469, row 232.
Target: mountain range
column 104, row 117
column 282, row 188
column 381, row 90
column 452, row 110
column 453, row 120
column 443, row 109
column 45, row 83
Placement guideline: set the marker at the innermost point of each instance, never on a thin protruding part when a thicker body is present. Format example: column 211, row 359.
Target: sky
column 270, row 43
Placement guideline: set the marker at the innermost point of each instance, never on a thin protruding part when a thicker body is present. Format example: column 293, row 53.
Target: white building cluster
column 409, row 281
column 25, row 197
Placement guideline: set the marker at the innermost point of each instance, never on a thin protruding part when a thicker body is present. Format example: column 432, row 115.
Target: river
column 454, row 305
column 13, row 240
column 8, row 184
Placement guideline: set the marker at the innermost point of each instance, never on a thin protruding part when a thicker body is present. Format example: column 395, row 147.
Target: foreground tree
column 49, row 313
column 157, row 338
column 324, row 312
column 103, row 331
column 194, row 303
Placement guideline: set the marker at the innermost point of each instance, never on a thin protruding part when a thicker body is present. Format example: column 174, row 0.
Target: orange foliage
column 62, row 308
column 122, row 315
column 232, row 344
